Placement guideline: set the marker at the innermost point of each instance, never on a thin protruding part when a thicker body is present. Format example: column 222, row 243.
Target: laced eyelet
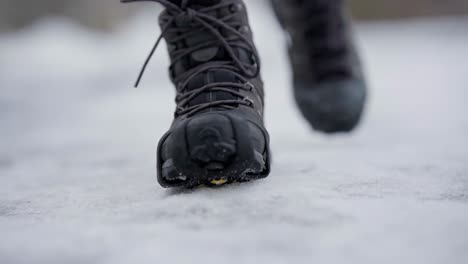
column 186, row 18
column 250, row 86
column 249, row 101
column 234, row 8
column 243, row 29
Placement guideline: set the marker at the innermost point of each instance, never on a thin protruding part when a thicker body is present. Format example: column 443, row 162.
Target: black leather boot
column 329, row 86
column 218, row 135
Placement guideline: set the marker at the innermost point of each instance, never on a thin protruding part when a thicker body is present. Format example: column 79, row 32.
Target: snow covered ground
column 77, row 156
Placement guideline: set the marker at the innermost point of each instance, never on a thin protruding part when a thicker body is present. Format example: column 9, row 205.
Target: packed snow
column 77, row 156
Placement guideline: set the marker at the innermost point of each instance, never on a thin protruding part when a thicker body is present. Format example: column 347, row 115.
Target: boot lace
column 200, row 20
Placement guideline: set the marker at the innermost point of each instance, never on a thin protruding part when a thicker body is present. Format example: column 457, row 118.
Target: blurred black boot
column 329, row 86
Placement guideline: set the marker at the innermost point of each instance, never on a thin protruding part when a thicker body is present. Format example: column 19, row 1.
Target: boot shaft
column 210, row 41
column 321, row 44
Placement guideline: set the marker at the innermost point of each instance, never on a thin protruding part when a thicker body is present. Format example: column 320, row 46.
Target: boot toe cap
column 334, row 106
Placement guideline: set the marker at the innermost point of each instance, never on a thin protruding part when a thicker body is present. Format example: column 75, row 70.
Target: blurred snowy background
column 77, row 146
column 105, row 14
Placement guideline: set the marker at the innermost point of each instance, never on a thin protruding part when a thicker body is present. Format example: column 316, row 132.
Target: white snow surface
column 77, row 156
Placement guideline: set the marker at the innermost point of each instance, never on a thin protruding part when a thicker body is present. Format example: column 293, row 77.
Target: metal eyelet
column 234, row 8
column 250, row 86
column 250, row 101
column 243, row 29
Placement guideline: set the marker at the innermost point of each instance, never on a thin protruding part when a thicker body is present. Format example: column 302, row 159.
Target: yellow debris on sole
column 219, row 181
